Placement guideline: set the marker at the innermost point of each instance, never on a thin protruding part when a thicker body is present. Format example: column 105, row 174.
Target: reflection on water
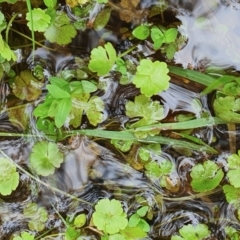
column 212, row 30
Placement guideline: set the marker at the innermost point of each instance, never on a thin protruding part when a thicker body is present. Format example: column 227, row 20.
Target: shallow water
column 93, row 169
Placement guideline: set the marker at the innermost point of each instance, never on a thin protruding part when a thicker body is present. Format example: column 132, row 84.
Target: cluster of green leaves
column 151, row 77
column 232, row 233
column 190, row 232
column 161, row 37
column 69, row 100
column 9, row 177
column 56, row 25
column 110, row 218
column 206, row 176
column 6, row 53
column 74, row 226
column 227, row 102
column 232, row 190
column 37, row 216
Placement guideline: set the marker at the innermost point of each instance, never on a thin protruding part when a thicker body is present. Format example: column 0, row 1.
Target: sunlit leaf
column 109, row 216
column 61, row 31
column 151, row 77
column 206, row 176
column 24, row 236
column 170, row 35
column 40, row 20
column 232, row 194
column 9, row 177
column 141, row 32
column 45, row 157
column 189, row 231
column 102, row 59
column 150, row 111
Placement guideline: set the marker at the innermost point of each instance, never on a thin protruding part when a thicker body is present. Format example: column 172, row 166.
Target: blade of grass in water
column 32, row 31
column 192, row 75
column 196, row 123
column 125, row 135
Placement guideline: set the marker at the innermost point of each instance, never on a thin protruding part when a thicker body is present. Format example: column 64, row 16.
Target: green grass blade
column 192, row 75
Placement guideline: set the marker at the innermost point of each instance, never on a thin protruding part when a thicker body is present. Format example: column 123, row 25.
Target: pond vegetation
column 104, row 135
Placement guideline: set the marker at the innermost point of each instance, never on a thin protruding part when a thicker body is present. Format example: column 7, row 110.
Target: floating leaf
column 206, row 176
column 40, row 20
column 170, row 35
column 234, row 169
column 61, row 31
column 102, row 19
column 72, row 233
column 45, row 157
column 24, row 236
column 26, row 86
column 109, row 216
column 189, row 231
column 157, row 37
column 133, row 233
column 141, row 32
column 150, row 111
column 102, row 59
column 232, row 194
column 122, row 145
column 151, row 77
column 9, row 177
column 227, row 108
column 94, row 110
column 80, row 220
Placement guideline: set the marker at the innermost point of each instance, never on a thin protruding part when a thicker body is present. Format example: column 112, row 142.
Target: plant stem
column 31, row 22
column 127, row 51
column 9, row 26
column 41, row 182
column 38, row 43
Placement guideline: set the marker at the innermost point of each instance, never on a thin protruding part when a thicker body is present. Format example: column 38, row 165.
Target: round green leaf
column 151, row 77
column 45, row 157
column 141, row 32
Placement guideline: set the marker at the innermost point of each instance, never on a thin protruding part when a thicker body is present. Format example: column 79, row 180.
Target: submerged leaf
column 45, row 157
column 26, row 86
column 102, row 19
column 151, row 77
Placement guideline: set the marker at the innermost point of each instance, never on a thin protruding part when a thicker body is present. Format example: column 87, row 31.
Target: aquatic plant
column 9, row 178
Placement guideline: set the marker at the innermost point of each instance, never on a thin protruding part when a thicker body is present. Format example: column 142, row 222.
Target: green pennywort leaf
column 41, row 20
column 102, row 59
column 50, row 3
column 151, row 77
column 45, row 157
column 61, row 30
column 232, row 194
column 206, row 176
column 149, row 111
column 24, row 236
column 234, row 169
column 109, row 216
column 189, row 231
column 9, row 177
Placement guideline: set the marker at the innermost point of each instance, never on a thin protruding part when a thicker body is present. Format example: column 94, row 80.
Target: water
column 93, row 169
